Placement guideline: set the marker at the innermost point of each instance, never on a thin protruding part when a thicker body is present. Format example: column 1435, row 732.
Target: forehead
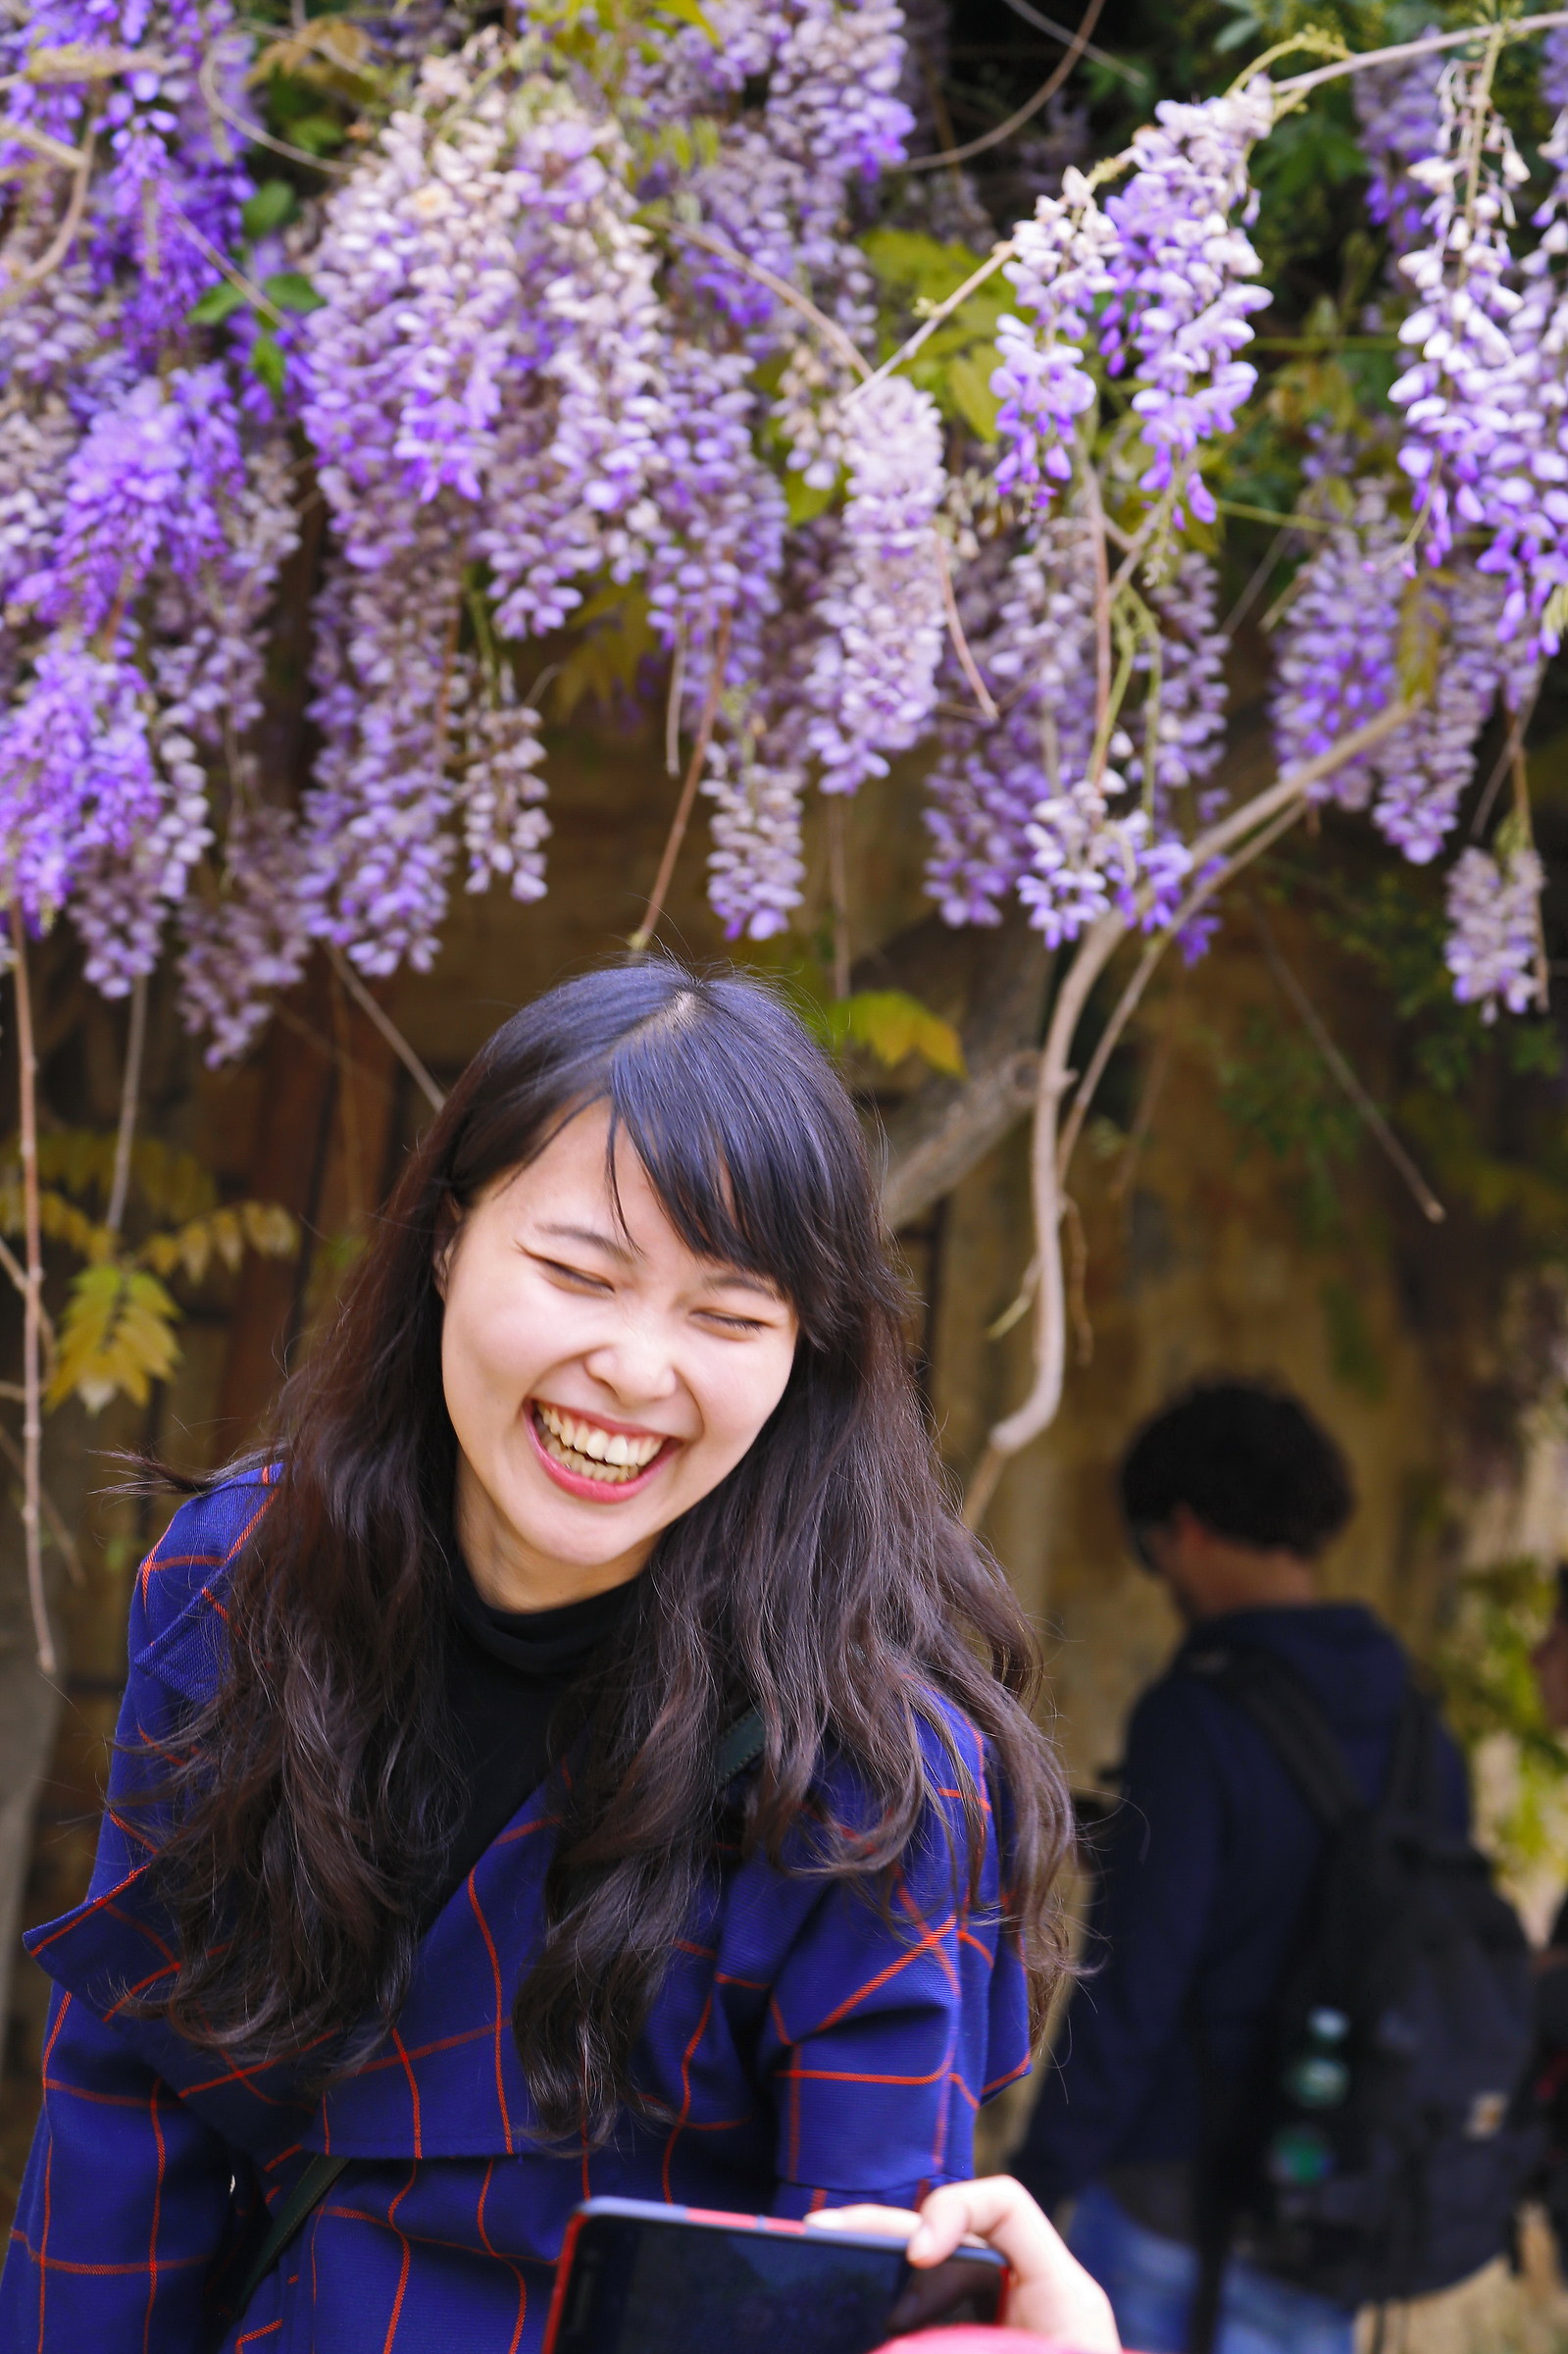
column 566, row 1194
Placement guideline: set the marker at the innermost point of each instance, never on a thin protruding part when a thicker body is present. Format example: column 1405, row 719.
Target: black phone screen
column 667, row 2284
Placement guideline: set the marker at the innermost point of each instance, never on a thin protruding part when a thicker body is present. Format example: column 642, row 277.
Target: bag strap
column 741, row 1747
column 308, row 2193
column 1291, row 1722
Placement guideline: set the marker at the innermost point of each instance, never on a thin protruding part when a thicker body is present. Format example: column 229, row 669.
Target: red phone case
column 782, row 2226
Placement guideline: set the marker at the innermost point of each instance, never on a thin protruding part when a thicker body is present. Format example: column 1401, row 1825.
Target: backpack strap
column 1289, row 1719
column 741, row 1747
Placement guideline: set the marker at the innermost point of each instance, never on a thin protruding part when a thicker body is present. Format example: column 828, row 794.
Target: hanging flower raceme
column 1400, row 121
column 482, row 389
column 1494, row 918
column 1029, row 616
column 1180, row 273
column 872, row 679
column 1182, row 717
column 1061, row 268
column 1456, row 395
column 1336, row 642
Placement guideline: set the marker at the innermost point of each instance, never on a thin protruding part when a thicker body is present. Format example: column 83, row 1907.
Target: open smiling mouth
column 585, row 1456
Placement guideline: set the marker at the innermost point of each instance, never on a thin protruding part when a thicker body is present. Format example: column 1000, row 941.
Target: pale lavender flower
column 1493, row 939
column 1398, row 117
column 246, row 941
column 1181, row 301
column 873, row 680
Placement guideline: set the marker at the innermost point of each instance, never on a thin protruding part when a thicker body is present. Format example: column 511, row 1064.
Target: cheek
column 740, row 1398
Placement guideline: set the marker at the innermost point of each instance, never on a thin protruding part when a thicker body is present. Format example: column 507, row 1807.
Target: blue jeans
column 1151, row 2282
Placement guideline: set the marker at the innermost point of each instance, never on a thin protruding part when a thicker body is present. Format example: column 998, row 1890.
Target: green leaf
column 893, row 1025
column 267, row 359
column 318, row 134
column 291, row 290
column 687, row 11
column 804, row 500
column 968, row 385
column 272, row 204
column 219, row 302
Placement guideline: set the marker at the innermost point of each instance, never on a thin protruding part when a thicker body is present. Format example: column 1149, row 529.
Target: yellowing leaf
column 75, row 61
column 893, row 1025
column 116, row 1334
column 268, row 1229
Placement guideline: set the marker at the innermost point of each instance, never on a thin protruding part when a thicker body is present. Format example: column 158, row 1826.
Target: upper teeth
column 600, row 1445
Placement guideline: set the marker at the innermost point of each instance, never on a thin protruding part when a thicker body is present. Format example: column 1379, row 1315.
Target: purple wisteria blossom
column 1398, row 117
column 758, row 762
column 1060, row 271
column 1336, row 642
column 872, row 679
column 1181, row 270
column 244, row 940
column 1465, row 302
column 1494, row 930
column 1030, row 619
column 1185, row 697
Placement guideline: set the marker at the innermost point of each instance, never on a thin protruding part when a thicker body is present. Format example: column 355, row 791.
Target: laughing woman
column 587, row 1755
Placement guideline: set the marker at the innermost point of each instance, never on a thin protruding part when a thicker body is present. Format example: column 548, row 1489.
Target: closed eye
column 576, row 1276
column 714, row 1316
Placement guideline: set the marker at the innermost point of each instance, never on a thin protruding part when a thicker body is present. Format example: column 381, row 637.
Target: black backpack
column 1374, row 2152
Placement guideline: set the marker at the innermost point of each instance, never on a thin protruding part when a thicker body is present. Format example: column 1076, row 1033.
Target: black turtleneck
column 507, row 1672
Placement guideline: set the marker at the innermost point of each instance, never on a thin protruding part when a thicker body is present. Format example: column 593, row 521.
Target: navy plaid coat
column 801, row 2053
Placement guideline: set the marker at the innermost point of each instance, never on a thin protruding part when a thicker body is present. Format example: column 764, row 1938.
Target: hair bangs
column 745, row 1179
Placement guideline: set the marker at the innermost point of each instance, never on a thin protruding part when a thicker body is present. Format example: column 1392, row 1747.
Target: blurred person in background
column 1155, row 2116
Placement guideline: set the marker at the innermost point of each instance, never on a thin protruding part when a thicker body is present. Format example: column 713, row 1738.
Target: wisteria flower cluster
column 1493, row 919
column 569, row 343
column 1174, row 268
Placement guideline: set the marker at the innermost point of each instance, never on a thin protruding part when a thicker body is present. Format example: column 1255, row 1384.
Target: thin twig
column 672, row 708
column 1060, row 33
column 1299, row 84
column 1077, row 1272
column 645, row 930
column 935, row 318
column 254, row 131
column 831, row 333
column 955, row 630
column 31, row 1334
column 237, row 278
column 1031, row 107
column 130, row 1093
column 1513, row 748
column 1521, row 803
column 55, row 253
column 1367, row 1110
column 383, row 1022
column 63, row 1540
column 1096, row 949
column 839, row 893
column 1213, row 880
column 1121, row 1184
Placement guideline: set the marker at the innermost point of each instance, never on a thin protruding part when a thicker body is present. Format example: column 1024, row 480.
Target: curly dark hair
column 827, row 1582
column 1247, row 1459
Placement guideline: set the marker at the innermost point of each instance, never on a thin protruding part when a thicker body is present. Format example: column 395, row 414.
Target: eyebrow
column 607, row 1243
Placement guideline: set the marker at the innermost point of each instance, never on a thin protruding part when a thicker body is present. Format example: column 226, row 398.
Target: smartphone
column 640, row 2279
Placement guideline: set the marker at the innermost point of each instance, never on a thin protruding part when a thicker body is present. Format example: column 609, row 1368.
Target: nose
column 635, row 1360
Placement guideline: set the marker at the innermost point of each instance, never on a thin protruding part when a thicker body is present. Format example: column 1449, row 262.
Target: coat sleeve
column 132, row 2208
column 1159, row 1874
column 888, row 2026
column 129, row 2207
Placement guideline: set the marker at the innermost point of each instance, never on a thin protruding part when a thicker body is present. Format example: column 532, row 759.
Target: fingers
column 1051, row 2292
column 893, row 2223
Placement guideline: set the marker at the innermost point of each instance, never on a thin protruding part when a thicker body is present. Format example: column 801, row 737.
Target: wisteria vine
column 582, row 326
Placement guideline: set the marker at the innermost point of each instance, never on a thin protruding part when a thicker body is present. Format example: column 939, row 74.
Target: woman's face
column 600, row 1377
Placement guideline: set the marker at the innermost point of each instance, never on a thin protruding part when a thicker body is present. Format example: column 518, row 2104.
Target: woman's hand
column 1051, row 2293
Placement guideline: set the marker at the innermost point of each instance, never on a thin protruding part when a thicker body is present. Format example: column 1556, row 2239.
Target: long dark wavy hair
column 826, row 1582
